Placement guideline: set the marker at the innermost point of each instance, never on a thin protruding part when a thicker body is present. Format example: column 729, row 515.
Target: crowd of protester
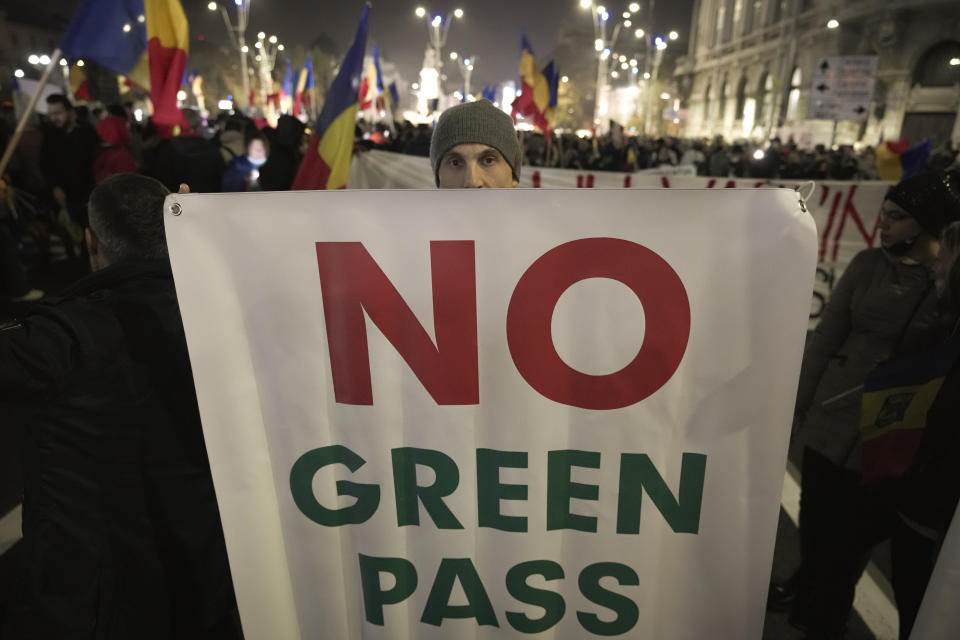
column 616, row 151
column 73, row 177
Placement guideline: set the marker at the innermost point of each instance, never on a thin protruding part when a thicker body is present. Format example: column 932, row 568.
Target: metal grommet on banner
column 803, row 198
column 175, row 209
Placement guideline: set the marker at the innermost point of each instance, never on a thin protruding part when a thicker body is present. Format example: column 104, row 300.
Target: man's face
column 58, row 115
column 475, row 166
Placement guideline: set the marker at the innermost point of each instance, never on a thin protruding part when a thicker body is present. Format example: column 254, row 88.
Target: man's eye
column 454, row 162
column 490, row 160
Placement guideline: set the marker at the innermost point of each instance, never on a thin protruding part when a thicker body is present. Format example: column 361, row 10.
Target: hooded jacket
column 121, row 531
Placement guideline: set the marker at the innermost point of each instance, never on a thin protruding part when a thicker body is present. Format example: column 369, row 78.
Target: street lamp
column 267, row 49
column 634, row 7
column 438, row 28
column 954, row 62
column 466, row 69
column 833, row 23
column 673, row 35
column 237, row 35
column 18, row 73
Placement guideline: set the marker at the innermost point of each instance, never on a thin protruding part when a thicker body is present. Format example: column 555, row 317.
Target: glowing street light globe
column 458, row 13
column 585, row 4
column 44, row 59
column 634, row 7
column 420, row 12
column 673, row 35
column 18, row 73
column 565, row 79
column 833, row 23
column 627, row 23
column 437, row 21
column 34, row 59
column 261, row 35
column 273, row 39
column 639, row 33
column 80, row 63
column 453, row 55
column 280, row 47
column 598, row 44
column 212, row 6
column 955, row 62
column 63, row 62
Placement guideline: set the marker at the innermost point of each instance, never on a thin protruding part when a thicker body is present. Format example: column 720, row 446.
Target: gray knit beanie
column 475, row 123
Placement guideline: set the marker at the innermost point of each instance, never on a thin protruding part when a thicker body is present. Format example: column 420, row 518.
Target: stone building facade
column 749, row 69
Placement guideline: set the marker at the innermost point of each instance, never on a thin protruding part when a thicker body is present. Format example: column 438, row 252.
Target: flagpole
column 18, row 133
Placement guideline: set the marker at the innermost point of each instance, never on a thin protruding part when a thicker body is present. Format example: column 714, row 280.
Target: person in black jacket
column 121, row 531
column 70, row 145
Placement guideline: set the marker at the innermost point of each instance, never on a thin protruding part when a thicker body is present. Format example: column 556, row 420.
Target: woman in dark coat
column 884, row 296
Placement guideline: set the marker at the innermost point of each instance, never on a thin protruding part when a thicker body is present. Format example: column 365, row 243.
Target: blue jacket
column 235, row 177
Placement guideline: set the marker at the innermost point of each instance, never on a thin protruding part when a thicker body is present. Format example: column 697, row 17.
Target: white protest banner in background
column 847, row 214
column 484, row 414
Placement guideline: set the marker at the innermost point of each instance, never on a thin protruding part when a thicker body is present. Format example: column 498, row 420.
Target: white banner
column 485, row 414
column 847, row 214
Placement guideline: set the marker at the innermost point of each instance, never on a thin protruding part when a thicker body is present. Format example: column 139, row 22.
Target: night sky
column 489, row 30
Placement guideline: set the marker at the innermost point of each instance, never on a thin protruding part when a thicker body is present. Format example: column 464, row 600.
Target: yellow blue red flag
column 534, row 99
column 145, row 40
column 327, row 161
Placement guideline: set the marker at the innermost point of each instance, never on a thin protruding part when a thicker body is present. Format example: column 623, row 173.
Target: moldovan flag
column 145, row 40
column 327, row 161
column 534, row 96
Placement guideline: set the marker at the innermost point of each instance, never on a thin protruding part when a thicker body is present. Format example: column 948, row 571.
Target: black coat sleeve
column 36, row 355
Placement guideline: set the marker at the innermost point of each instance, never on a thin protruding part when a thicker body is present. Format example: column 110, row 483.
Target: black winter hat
column 932, row 198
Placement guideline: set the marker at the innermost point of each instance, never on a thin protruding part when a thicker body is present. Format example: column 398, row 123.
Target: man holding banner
column 475, row 146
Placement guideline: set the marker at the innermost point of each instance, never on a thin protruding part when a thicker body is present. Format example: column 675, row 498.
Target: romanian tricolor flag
column 371, row 87
column 327, row 161
column 534, row 99
column 304, row 87
column 78, row 83
column 896, row 161
column 896, row 398
column 145, row 40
